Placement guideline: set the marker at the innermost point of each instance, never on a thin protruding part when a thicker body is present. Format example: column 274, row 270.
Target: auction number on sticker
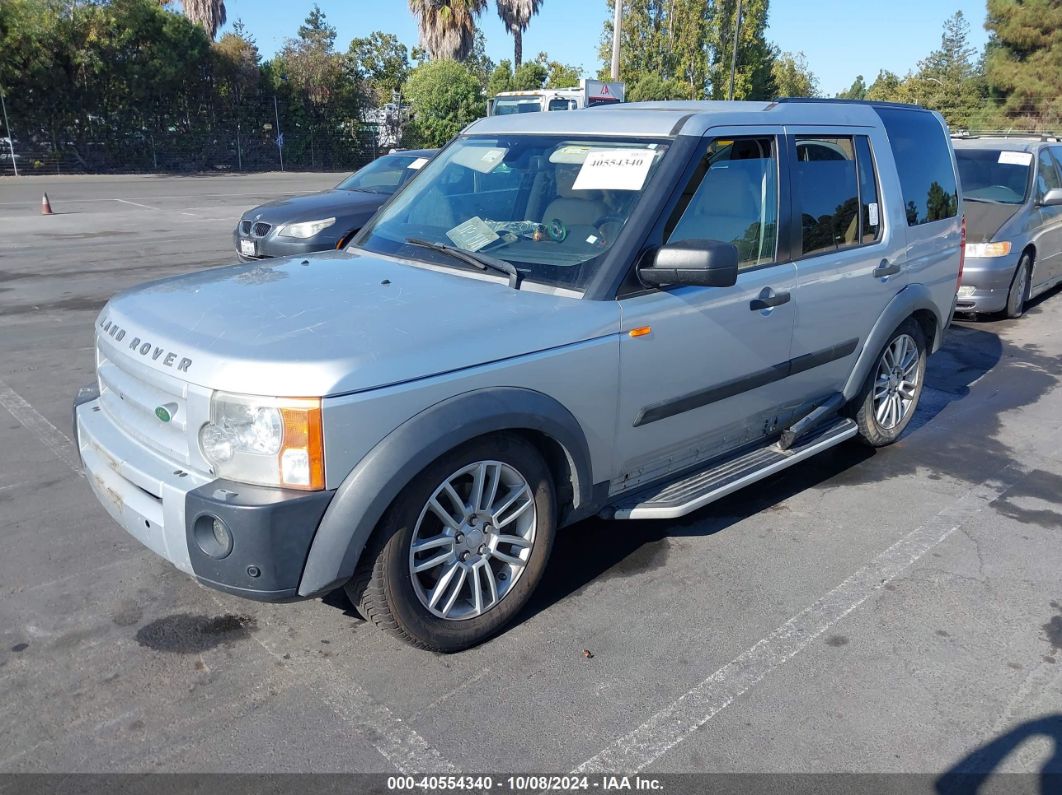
column 474, row 783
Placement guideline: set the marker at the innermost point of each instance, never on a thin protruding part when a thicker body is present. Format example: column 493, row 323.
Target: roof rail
column 835, row 101
column 1024, row 135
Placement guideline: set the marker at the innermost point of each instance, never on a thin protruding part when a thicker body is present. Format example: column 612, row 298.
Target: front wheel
column 1018, row 294
column 462, row 548
column 890, row 397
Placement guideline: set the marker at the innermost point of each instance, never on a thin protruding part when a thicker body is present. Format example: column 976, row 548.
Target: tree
column 210, row 14
column 792, row 77
column 501, row 79
column 559, row 75
column 381, row 61
column 516, row 14
column 529, row 76
column 753, row 78
column 477, row 61
column 651, row 87
column 316, row 31
column 858, row 90
column 949, row 79
column 445, row 97
column 447, row 27
column 887, row 87
column 1023, row 60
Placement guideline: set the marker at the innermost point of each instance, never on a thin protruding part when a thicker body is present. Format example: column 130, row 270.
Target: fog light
column 213, row 536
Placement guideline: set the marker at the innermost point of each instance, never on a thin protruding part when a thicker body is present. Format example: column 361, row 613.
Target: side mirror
column 1053, row 198
column 706, row 263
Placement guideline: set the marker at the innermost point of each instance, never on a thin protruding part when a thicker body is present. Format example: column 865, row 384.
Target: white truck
column 588, row 94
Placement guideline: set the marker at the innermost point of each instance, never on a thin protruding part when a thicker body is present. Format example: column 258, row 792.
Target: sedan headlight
column 987, row 249
column 305, row 229
column 265, row 441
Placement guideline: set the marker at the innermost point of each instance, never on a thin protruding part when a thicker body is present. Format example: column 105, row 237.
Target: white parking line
column 135, row 204
column 694, row 708
column 392, row 737
column 33, row 421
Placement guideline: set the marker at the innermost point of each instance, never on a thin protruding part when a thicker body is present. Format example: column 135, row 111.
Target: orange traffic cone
column 46, row 206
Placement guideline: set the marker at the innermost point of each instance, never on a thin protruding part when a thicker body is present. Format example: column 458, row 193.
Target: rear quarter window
column 922, row 153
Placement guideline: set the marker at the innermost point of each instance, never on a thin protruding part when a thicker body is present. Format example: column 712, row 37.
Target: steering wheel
column 608, row 228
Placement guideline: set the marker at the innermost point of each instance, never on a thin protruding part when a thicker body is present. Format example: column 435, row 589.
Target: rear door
column 848, row 242
column 702, row 368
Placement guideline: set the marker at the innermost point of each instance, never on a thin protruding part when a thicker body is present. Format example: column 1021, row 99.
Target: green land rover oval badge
column 163, row 413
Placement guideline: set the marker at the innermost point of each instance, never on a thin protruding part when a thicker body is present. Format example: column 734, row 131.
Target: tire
column 1020, row 286
column 420, row 607
column 902, row 359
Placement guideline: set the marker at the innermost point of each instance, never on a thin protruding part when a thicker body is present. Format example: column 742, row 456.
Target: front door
column 1048, row 239
column 702, row 368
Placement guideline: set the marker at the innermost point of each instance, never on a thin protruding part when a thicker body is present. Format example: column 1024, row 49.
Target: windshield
column 384, row 175
column 551, row 206
column 994, row 175
column 510, row 105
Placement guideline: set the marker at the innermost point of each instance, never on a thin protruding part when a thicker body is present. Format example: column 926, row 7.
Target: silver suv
column 1013, row 190
column 627, row 312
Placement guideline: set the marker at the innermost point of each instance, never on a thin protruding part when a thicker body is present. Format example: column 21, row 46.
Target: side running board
column 677, row 498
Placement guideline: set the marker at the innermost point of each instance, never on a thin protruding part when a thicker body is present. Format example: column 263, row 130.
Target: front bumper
column 272, row 245
column 166, row 507
column 985, row 284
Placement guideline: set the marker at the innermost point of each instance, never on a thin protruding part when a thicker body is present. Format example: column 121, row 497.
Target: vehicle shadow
column 595, row 550
column 971, row 773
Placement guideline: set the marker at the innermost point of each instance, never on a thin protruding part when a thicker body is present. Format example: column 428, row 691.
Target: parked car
column 1013, row 190
column 327, row 220
column 627, row 312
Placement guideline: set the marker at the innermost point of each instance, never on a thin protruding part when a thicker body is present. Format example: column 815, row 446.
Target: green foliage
column 653, row 87
column 445, row 97
column 381, row 61
column 529, row 76
column 316, row 31
column 1023, row 61
column 949, row 79
column 792, row 77
column 477, row 61
column 559, row 75
column 501, row 79
column 858, row 90
column 887, row 87
column 755, row 55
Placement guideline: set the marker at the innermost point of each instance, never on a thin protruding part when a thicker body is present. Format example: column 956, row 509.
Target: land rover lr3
column 627, row 312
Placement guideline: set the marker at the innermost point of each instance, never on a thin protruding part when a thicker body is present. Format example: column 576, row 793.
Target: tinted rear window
column 923, row 159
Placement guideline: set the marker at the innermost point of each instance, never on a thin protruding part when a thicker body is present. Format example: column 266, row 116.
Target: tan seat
column 574, row 207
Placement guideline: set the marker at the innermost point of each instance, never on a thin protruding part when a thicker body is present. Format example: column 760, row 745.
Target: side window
column 734, row 198
column 826, row 193
column 1046, row 176
column 1056, row 153
column 868, row 192
column 922, row 153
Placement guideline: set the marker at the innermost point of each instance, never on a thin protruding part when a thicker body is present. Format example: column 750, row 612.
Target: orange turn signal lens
column 301, row 457
column 641, row 331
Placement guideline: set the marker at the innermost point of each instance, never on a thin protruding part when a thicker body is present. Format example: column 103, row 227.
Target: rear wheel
column 462, row 548
column 890, row 397
column 1020, row 286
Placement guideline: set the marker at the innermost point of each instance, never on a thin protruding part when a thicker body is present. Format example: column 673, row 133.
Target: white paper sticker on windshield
column 472, row 235
column 418, row 164
column 1015, row 158
column 615, row 169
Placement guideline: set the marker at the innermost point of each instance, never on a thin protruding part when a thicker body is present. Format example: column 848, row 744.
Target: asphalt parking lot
column 889, row 611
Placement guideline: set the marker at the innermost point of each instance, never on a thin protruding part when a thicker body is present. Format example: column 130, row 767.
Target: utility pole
column 733, row 59
column 10, row 138
column 280, row 135
column 617, row 24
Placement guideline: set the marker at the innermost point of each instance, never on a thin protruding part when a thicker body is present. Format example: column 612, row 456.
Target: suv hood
column 336, row 323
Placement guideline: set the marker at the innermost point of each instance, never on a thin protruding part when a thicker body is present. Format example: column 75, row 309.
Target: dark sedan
column 326, row 220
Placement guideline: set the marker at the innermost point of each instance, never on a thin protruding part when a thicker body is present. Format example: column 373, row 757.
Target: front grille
column 245, row 227
column 261, row 229
column 130, row 393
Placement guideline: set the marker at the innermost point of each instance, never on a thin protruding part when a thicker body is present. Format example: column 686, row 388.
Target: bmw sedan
column 325, row 220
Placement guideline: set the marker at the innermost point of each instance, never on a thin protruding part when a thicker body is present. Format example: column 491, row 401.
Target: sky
column 841, row 38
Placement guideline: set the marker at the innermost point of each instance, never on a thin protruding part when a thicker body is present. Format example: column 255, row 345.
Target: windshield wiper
column 981, row 201
column 483, row 262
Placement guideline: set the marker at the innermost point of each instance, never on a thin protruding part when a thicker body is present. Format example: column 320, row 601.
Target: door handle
column 768, row 299
column 886, row 268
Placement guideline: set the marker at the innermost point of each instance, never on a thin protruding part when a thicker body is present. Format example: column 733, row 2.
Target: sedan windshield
column 384, row 175
column 994, row 175
column 549, row 205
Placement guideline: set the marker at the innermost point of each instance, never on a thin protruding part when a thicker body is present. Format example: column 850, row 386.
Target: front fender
column 380, row 476
column 911, row 299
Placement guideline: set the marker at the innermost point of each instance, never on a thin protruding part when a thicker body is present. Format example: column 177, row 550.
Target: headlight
column 987, row 249
column 265, row 441
column 305, row 229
